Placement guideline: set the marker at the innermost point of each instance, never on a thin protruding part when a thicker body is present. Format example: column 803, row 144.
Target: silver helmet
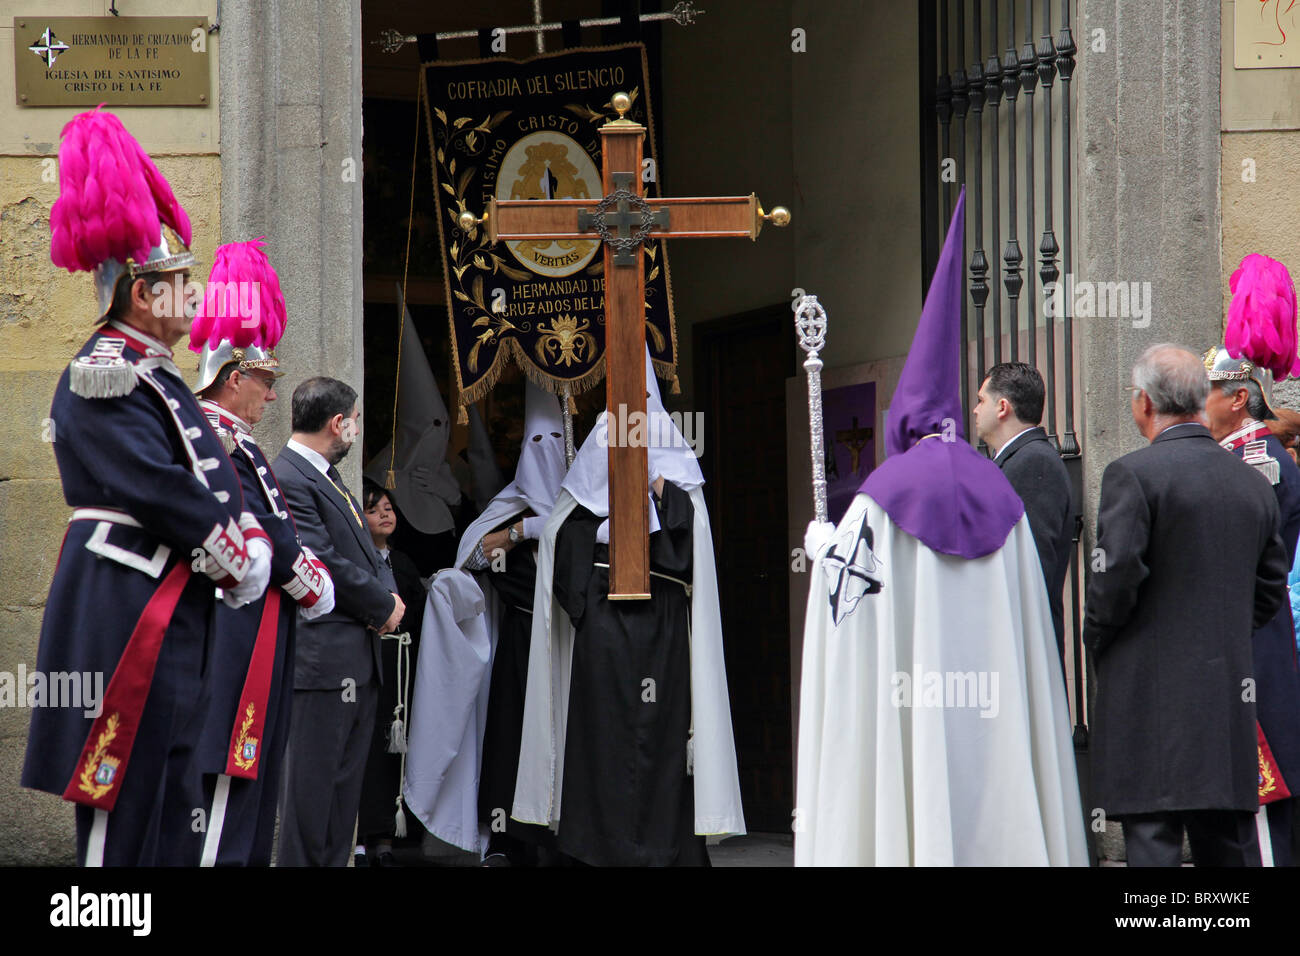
column 1222, row 367
column 164, row 257
column 213, row 360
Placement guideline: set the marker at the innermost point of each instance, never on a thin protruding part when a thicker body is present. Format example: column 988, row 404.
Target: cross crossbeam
column 622, row 220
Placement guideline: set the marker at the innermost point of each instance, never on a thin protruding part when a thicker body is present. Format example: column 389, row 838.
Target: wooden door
column 741, row 364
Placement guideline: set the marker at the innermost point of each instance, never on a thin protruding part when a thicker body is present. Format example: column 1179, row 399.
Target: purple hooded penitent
column 933, row 484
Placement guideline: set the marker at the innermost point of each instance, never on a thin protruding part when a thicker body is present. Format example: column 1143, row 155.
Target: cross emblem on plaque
column 49, row 48
column 623, row 220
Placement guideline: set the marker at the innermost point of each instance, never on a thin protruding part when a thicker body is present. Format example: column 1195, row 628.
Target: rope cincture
column 397, row 732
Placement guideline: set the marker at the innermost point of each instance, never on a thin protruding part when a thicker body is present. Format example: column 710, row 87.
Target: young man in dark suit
column 337, row 670
column 1006, row 419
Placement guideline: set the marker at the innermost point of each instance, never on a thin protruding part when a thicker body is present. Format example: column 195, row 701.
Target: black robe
column 430, row 553
column 503, row 732
column 627, row 799
column 504, row 724
column 382, row 781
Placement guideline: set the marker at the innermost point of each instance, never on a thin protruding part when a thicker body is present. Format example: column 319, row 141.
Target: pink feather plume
column 242, row 303
column 112, row 198
column 1262, row 316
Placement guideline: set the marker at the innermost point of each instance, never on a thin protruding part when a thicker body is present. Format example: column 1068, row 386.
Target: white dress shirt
column 1013, row 438
column 316, row 458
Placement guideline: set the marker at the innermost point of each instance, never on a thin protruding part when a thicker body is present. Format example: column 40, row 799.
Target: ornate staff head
column 810, row 323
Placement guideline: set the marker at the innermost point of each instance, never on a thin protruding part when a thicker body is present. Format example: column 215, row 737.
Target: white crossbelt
column 216, row 821
column 103, row 514
column 98, row 837
column 1265, row 836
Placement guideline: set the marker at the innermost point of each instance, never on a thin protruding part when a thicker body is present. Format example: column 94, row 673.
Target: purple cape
column 938, row 488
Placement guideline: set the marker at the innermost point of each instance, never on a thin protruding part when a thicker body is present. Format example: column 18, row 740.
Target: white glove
column 815, row 538
column 325, row 603
column 256, row 579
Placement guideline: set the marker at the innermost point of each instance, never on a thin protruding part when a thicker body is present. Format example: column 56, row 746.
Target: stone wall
column 1261, row 170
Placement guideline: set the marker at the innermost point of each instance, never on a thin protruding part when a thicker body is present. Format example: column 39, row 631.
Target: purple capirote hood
column 933, row 484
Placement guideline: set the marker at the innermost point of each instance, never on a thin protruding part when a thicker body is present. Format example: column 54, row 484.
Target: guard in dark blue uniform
column 1236, row 408
column 242, row 747
column 158, row 522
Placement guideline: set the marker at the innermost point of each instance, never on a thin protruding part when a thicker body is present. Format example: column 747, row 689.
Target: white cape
column 452, row 728
column 505, row 505
column 541, row 759
column 448, row 710
column 450, row 702
column 946, row 781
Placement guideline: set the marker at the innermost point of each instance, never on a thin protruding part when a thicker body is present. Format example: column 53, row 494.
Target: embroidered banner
column 528, row 130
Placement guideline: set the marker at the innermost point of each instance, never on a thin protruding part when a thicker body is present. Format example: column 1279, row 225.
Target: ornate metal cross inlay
column 633, row 226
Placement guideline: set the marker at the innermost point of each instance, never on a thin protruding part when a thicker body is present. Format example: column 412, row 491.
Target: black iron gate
column 996, row 81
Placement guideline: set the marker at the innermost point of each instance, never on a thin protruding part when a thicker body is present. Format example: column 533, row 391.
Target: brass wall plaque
column 121, row 61
column 1266, row 34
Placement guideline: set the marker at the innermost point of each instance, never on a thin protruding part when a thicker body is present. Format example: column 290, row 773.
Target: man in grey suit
column 336, row 672
column 1006, row 419
column 1189, row 562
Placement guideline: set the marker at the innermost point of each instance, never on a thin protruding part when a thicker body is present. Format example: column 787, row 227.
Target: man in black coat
column 337, row 664
column 1189, row 561
column 1006, row 419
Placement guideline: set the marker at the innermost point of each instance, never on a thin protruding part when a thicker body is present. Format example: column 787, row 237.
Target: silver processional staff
column 810, row 323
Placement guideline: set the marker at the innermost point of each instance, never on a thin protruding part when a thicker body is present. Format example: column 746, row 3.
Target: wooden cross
column 623, row 220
